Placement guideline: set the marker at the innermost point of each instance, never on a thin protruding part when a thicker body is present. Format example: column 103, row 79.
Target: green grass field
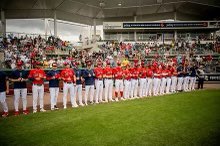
column 181, row 119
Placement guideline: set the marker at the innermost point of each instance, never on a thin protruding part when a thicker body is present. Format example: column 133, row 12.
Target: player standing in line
column 108, row 74
column 180, row 77
column 134, row 80
column 192, row 78
column 173, row 78
column 79, row 79
column 19, row 77
column 143, row 80
column 89, row 76
column 4, row 88
column 164, row 74
column 118, row 76
column 37, row 76
column 169, row 74
column 157, row 79
column 186, row 78
column 127, row 81
column 149, row 80
column 69, row 80
column 53, row 76
column 99, row 72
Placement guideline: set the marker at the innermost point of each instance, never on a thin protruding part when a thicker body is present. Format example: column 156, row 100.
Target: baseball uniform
column 3, row 87
column 99, row 84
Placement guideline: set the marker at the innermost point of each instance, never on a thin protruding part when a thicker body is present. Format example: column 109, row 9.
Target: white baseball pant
column 127, row 87
column 108, row 89
column 78, row 93
column 66, row 88
column 168, row 85
column 119, row 86
column 156, row 87
column 179, row 83
column 149, row 85
column 173, row 83
column 192, row 82
column 134, row 88
column 186, row 83
column 163, row 85
column 54, row 91
column 20, row 93
column 38, row 92
column 99, row 90
column 89, row 90
column 3, row 102
column 142, row 88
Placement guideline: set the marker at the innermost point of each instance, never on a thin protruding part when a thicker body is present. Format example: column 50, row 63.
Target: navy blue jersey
column 192, row 72
column 180, row 69
column 19, row 74
column 3, row 79
column 187, row 70
column 89, row 80
column 53, row 82
column 78, row 74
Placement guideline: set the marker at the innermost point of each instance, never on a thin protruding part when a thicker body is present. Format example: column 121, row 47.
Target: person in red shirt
column 164, row 74
column 134, row 80
column 157, row 79
column 173, row 78
column 37, row 76
column 69, row 81
column 118, row 76
column 99, row 72
column 143, row 80
column 149, row 80
column 127, row 81
column 108, row 74
column 169, row 75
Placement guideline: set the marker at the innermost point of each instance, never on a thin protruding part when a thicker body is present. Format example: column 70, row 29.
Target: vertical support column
column 3, row 22
column 55, row 23
column 175, row 32
column 45, row 27
column 135, row 32
column 94, row 33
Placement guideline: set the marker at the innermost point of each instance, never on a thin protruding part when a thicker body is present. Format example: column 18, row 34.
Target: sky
column 65, row 30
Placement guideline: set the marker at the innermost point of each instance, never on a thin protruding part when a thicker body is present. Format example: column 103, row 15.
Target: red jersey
column 169, row 73
column 67, row 75
column 99, row 72
column 164, row 73
column 108, row 72
column 37, row 76
column 149, row 73
column 134, row 73
column 143, row 72
column 127, row 74
column 173, row 71
column 118, row 72
column 158, row 72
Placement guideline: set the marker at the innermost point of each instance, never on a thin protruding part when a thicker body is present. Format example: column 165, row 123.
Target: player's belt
column 108, row 78
column 38, row 84
column 99, row 79
column 68, row 82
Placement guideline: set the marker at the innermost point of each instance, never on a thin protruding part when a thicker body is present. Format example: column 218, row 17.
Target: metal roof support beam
column 3, row 22
column 55, row 23
column 94, row 33
column 45, row 27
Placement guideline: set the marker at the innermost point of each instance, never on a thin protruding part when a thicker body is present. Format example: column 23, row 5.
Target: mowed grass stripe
column 190, row 118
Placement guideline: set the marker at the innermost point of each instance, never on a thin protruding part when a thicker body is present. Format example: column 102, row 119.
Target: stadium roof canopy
column 85, row 11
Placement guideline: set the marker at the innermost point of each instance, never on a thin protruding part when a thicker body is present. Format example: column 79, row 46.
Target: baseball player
column 173, row 78
column 169, row 74
column 19, row 77
column 186, row 78
column 99, row 72
column 53, row 76
column 157, row 80
column 118, row 76
column 180, row 77
column 37, row 76
column 79, row 79
column 192, row 79
column 69, row 81
column 89, row 76
column 108, row 74
column 149, row 80
column 4, row 88
column 127, row 81
column 164, row 74
column 134, row 80
column 143, row 80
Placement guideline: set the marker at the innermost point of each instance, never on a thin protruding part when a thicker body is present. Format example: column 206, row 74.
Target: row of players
column 136, row 81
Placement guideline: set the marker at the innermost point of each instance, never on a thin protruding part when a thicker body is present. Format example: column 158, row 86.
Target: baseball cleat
column 16, row 113
column 42, row 110
column 25, row 112
column 55, row 107
column 34, row 111
column 5, row 114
